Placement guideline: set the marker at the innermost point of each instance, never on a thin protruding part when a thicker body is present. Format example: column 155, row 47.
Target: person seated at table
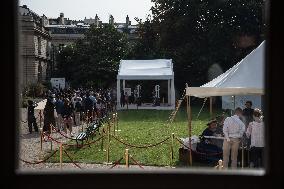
column 210, row 145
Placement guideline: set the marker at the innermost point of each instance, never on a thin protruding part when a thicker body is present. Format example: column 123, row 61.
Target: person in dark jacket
column 248, row 113
column 209, row 146
column 89, row 107
column 49, row 118
column 59, row 108
column 31, row 116
column 67, row 116
column 122, row 99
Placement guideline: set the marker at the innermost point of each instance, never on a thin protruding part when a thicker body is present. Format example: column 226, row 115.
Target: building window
column 39, row 72
column 39, row 45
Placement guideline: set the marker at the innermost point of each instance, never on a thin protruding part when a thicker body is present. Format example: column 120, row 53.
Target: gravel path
column 29, row 149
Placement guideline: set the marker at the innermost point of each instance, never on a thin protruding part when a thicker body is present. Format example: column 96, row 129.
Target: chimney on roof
column 127, row 21
column 96, row 21
column 111, row 20
column 61, row 19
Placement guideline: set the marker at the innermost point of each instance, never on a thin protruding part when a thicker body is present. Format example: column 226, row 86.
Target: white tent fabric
column 244, row 78
column 159, row 69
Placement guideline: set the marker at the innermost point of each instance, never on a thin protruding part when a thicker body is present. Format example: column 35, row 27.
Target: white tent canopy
column 157, row 69
column 244, row 78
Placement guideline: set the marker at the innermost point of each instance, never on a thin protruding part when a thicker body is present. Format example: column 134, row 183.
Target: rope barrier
column 48, row 136
column 201, row 153
column 136, row 162
column 116, row 163
column 88, row 144
column 146, row 146
column 64, row 144
column 205, row 99
column 65, row 136
column 38, row 162
column 72, row 160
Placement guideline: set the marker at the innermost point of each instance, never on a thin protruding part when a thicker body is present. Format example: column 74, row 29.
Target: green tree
column 146, row 46
column 95, row 58
column 199, row 33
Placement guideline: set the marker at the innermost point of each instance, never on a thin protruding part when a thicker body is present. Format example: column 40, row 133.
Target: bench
column 90, row 132
column 92, row 129
column 81, row 137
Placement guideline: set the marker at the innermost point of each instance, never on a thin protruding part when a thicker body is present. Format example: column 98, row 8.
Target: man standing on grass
column 233, row 130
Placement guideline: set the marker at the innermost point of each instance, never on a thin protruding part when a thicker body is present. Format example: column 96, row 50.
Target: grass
column 143, row 127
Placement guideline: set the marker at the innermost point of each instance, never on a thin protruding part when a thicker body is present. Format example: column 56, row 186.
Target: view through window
column 142, row 85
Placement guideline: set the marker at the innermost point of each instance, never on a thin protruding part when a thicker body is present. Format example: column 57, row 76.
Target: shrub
column 34, row 90
column 25, row 101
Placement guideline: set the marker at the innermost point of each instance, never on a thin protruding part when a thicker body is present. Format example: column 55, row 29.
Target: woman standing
column 256, row 131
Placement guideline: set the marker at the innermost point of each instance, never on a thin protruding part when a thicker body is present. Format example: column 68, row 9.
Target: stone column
column 123, row 85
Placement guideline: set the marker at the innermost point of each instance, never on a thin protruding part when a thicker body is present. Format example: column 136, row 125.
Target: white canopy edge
column 145, row 77
column 203, row 92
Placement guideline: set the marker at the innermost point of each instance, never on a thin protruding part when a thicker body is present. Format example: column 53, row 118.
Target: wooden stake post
column 242, row 154
column 113, row 122
column 172, row 148
column 108, row 141
column 41, row 138
column 102, row 144
column 60, row 156
column 40, row 118
column 211, row 109
column 116, row 120
column 127, row 158
column 189, row 127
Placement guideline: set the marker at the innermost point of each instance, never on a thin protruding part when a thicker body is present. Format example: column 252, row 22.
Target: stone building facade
column 41, row 38
column 34, row 47
column 64, row 31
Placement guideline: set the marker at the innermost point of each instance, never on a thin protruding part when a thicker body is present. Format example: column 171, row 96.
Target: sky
column 79, row 9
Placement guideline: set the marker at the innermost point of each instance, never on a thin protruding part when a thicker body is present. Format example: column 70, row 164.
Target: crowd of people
column 66, row 108
column 245, row 127
column 69, row 107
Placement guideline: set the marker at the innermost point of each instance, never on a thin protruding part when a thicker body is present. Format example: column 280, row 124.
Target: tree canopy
column 198, row 34
column 202, row 37
column 94, row 59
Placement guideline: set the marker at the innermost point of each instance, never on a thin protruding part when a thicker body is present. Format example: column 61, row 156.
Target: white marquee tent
column 158, row 69
column 244, row 78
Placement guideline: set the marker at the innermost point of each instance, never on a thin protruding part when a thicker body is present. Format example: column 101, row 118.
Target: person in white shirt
column 256, row 131
column 233, row 130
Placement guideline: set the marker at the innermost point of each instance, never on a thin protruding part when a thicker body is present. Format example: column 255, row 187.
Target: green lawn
column 143, row 127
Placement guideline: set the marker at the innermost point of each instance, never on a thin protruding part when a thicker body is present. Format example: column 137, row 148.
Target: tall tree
column 95, row 58
column 198, row 34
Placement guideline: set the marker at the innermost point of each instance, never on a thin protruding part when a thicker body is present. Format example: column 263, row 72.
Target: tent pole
column 234, row 102
column 123, row 86
column 189, row 127
column 211, row 112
